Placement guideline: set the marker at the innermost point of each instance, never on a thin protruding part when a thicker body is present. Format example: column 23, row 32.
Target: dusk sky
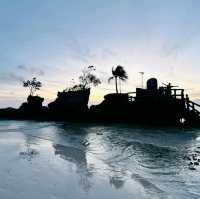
column 54, row 39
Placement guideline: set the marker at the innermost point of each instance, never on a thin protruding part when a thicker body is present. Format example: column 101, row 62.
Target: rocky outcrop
column 33, row 107
column 70, row 101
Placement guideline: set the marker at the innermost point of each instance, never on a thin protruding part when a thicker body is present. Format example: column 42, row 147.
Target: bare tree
column 33, row 85
column 87, row 78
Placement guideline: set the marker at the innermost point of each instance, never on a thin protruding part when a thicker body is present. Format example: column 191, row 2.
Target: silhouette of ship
column 153, row 105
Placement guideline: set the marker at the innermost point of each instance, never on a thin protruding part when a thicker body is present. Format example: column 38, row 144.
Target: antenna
column 142, row 78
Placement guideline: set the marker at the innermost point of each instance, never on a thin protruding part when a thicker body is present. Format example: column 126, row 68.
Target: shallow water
column 94, row 161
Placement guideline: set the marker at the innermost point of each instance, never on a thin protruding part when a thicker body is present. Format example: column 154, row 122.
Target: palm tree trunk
column 116, row 84
column 120, row 91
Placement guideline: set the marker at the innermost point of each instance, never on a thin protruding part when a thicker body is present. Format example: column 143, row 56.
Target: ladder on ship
column 192, row 106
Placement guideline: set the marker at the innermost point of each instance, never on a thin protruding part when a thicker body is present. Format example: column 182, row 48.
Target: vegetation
column 86, row 79
column 118, row 74
column 33, row 85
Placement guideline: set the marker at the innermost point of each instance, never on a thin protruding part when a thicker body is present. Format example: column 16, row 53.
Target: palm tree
column 118, row 73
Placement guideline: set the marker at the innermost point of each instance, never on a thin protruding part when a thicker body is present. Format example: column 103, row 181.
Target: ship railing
column 174, row 93
column 131, row 96
column 190, row 105
column 177, row 93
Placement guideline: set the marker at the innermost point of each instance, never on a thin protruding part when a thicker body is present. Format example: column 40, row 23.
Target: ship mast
column 142, row 78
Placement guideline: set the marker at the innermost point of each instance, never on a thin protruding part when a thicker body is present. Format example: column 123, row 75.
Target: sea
column 58, row 160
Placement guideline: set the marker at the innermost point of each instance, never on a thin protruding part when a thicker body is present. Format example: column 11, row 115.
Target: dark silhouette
column 33, row 104
column 33, row 85
column 118, row 74
column 33, row 107
column 169, row 88
column 87, row 78
column 187, row 100
column 73, row 101
column 153, row 105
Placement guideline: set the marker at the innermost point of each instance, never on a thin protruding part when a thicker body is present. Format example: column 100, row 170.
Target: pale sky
column 55, row 39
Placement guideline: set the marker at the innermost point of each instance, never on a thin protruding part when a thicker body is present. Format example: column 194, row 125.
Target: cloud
column 79, row 51
column 15, row 77
column 174, row 49
column 108, row 53
column 37, row 71
column 21, row 67
column 171, row 50
column 31, row 70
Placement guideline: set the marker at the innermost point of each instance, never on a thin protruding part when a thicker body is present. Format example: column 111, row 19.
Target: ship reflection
column 124, row 154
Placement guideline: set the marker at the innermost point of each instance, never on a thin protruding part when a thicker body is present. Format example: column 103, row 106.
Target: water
column 70, row 161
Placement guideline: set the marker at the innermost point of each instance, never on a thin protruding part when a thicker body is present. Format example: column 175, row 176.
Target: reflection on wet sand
column 117, row 182
column 78, row 157
column 71, row 154
column 122, row 156
column 29, row 153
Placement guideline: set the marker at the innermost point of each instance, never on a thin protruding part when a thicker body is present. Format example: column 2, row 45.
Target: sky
column 55, row 40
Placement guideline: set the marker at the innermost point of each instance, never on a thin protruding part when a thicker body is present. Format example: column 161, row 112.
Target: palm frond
column 110, row 78
column 123, row 79
column 113, row 71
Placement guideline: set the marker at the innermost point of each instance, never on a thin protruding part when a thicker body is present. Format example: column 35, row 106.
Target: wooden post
column 182, row 94
column 193, row 108
column 174, row 93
